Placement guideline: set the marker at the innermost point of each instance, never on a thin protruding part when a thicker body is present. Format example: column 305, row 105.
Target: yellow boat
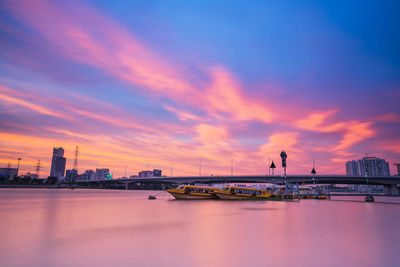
column 193, row 192
column 243, row 193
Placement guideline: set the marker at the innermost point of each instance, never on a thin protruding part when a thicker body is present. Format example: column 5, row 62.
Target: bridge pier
column 391, row 190
column 129, row 186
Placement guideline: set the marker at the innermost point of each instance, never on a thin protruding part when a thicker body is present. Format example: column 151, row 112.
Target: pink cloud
column 352, row 132
column 128, row 59
column 224, row 96
column 390, row 117
column 280, row 141
column 12, row 100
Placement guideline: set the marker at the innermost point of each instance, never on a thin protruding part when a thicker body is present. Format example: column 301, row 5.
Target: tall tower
column 75, row 166
column 38, row 168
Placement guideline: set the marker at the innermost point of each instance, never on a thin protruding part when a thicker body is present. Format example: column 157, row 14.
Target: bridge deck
column 302, row 179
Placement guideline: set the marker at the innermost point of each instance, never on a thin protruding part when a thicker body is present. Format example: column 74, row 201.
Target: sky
column 174, row 84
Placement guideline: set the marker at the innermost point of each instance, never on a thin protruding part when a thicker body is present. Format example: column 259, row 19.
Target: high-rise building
column 58, row 163
column 352, row 168
column 102, row 174
column 368, row 166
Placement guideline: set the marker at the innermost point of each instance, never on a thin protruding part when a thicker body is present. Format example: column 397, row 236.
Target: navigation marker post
column 284, row 157
column 313, row 172
column 272, row 166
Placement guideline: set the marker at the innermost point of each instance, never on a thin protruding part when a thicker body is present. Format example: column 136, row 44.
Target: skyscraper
column 58, row 163
column 368, row 166
column 352, row 168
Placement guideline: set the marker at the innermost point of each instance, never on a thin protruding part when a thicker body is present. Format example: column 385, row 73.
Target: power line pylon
column 38, row 168
column 75, row 166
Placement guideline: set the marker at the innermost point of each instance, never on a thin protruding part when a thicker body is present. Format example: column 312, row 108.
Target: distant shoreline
column 32, row 186
column 65, row 187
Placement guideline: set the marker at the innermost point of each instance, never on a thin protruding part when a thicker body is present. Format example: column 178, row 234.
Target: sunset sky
column 161, row 83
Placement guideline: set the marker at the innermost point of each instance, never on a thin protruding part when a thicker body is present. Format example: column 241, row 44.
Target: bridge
column 391, row 183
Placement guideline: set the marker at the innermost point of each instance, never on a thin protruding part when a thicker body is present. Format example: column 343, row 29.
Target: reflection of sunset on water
column 63, row 227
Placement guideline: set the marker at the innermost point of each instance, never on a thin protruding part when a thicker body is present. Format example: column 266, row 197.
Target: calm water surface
column 48, row 227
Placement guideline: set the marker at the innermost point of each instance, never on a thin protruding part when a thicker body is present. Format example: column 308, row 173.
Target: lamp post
column 231, row 168
column 19, row 159
column 200, row 168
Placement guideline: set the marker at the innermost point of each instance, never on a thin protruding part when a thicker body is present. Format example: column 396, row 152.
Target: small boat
column 310, row 193
column 193, row 192
column 305, row 193
column 369, row 198
column 244, row 193
column 151, row 197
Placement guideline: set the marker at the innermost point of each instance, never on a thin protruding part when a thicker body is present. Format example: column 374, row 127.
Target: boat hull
column 243, row 197
column 192, row 196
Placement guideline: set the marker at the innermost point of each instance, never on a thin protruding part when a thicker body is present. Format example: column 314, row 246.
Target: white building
column 370, row 166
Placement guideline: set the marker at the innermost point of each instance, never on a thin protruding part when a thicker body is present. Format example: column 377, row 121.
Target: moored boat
column 193, row 192
column 303, row 191
column 244, row 193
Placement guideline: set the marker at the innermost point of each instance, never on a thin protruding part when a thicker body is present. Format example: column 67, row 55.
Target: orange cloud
column 352, row 131
column 208, row 134
column 278, row 142
column 314, row 120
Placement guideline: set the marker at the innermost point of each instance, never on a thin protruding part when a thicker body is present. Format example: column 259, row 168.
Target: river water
column 61, row 227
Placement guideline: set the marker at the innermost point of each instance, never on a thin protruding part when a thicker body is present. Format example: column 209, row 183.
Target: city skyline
column 352, row 168
column 171, row 85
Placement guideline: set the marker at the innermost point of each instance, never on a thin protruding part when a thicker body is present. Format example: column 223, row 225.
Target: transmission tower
column 75, row 166
column 38, row 168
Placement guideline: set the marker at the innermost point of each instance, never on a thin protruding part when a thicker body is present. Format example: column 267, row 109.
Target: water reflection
column 103, row 228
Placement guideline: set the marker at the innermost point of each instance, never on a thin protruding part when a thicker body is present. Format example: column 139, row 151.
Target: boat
column 311, row 193
column 193, row 192
column 303, row 191
column 245, row 193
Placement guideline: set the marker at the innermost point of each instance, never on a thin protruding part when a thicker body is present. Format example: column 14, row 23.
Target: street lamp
column 19, row 159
